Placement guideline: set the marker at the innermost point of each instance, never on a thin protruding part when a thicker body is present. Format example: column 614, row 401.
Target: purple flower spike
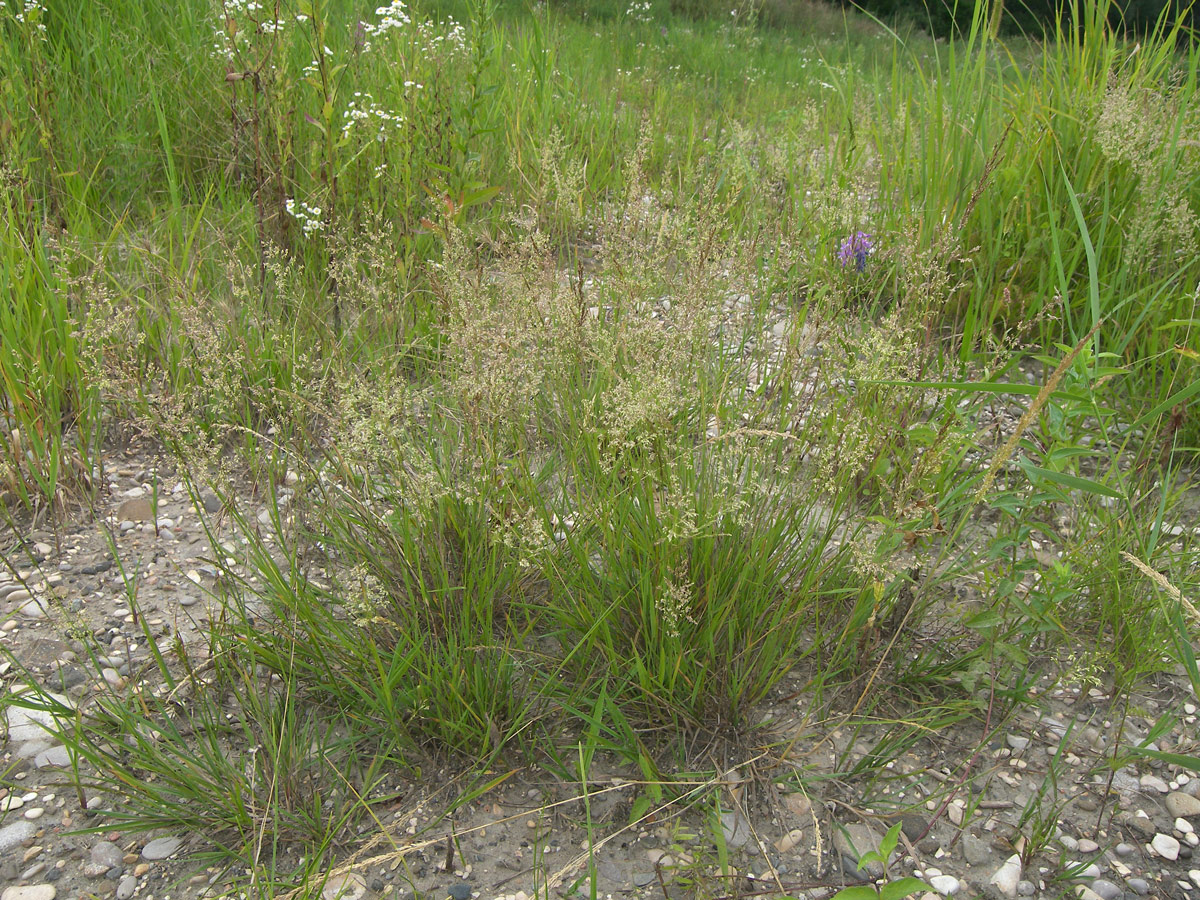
column 856, row 249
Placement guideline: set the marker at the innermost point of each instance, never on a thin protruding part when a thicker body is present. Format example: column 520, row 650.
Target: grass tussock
column 598, row 370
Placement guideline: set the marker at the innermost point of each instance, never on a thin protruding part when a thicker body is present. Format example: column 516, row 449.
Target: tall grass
column 595, row 434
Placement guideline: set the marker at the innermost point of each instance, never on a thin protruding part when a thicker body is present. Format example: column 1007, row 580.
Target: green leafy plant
column 889, row 889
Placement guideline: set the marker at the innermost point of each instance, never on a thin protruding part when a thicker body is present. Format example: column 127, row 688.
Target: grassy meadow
column 613, row 361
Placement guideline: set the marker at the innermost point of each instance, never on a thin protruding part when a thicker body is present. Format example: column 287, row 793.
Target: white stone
column 351, row 886
column 946, row 885
column 1183, row 826
column 30, row 892
column 1006, row 877
column 1165, row 846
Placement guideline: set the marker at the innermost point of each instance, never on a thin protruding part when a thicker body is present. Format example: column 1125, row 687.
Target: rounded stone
column 1123, row 849
column 1182, row 806
column 1139, row 886
column 1165, row 846
column 946, row 885
column 107, row 854
column 460, row 891
column 126, row 887
column 161, row 848
column 1106, row 889
column 30, row 892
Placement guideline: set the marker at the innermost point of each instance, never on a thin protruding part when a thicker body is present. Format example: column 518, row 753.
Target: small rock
column 136, row 509
column 1026, row 888
column 1087, row 845
column 976, row 850
column 350, row 886
column 30, row 892
column 56, row 757
column 1083, row 892
column 852, row 841
column 641, row 879
column 1106, row 889
column 1123, row 849
column 1139, row 886
column 1016, row 742
column 736, row 829
column 1090, row 871
column 126, row 887
column 1007, row 876
column 107, row 854
column 945, row 885
column 786, row 843
column 1150, row 782
column 35, row 812
column 33, row 871
column 161, row 848
column 955, row 812
column 913, row 826
column 1182, row 806
column 1069, row 842
column 1165, row 846
column 1183, row 826
column 460, row 891
column 798, row 804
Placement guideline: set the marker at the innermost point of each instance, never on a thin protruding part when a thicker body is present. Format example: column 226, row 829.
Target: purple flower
column 856, row 249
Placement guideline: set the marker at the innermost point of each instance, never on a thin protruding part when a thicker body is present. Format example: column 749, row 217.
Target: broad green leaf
column 1073, row 482
column 896, row 890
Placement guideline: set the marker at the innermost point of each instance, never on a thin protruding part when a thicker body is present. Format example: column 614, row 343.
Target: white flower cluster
column 32, row 13
column 393, row 16
column 433, row 38
column 309, row 217
column 362, row 109
column 639, row 11
column 238, row 21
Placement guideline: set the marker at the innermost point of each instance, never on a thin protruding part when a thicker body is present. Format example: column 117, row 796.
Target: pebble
column 1026, row 888
column 1069, row 842
column 946, row 885
column 460, row 891
column 1123, row 849
column 56, row 757
column 1007, row 876
column 976, row 850
column 1087, row 845
column 1153, row 783
column 33, row 871
column 1139, row 886
column 1183, row 826
column 106, row 854
column 30, row 892
column 34, row 812
column 1182, row 806
column 1165, row 846
column 161, row 848
column 1083, row 892
column 1106, row 889
column 789, row 840
column 11, row 802
column 350, row 886
column 735, row 829
column 126, row 887
column 1016, row 742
